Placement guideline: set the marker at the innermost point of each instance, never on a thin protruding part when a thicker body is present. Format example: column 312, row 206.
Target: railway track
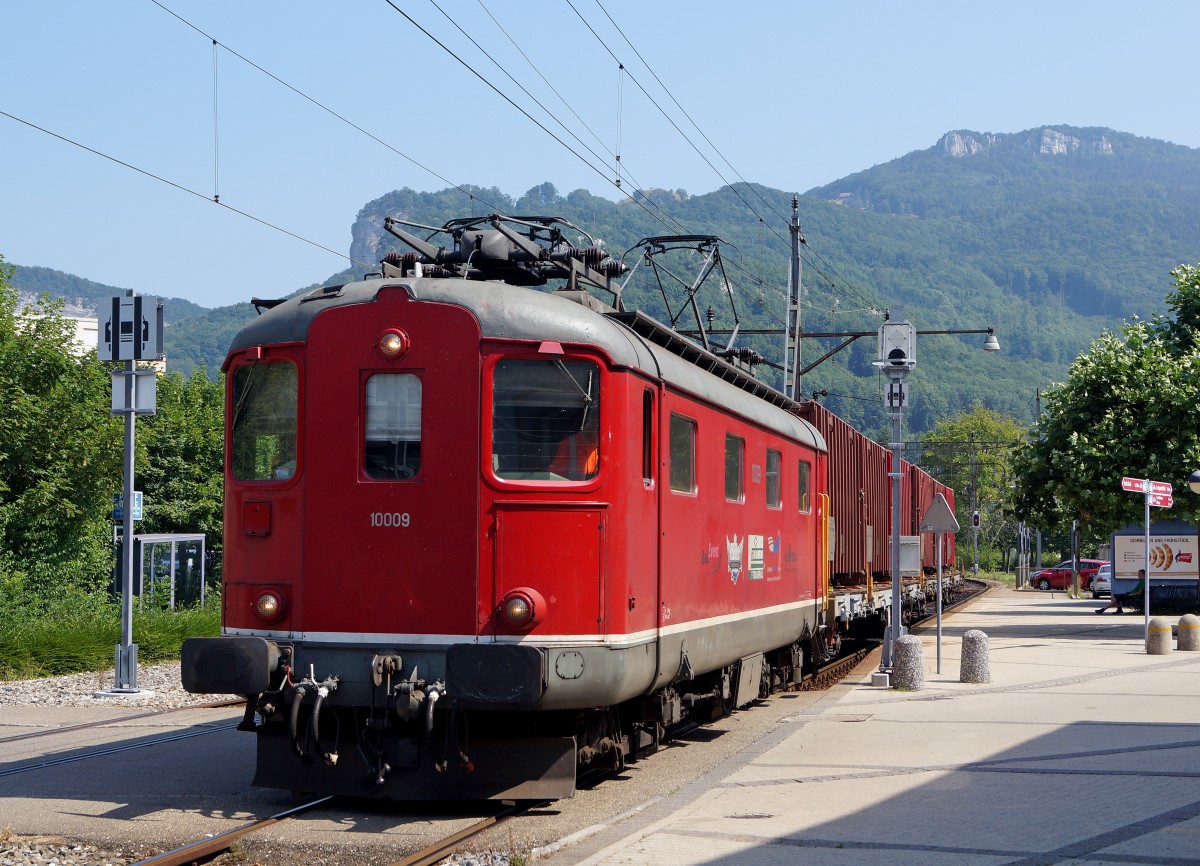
column 231, row 702
column 209, row 848
column 116, row 750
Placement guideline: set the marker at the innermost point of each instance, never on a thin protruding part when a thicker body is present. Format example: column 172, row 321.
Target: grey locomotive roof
column 516, row 313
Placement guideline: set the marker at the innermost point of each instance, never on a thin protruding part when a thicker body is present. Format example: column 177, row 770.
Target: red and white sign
column 1160, row 500
column 1141, row 485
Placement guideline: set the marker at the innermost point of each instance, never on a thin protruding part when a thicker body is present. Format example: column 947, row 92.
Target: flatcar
column 478, row 534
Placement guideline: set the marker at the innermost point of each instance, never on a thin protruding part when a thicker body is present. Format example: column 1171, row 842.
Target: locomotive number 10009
column 390, row 518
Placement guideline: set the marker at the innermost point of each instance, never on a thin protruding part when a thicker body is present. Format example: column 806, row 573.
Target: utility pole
column 792, row 324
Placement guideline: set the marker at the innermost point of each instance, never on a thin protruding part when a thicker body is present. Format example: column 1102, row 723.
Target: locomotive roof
column 516, row 313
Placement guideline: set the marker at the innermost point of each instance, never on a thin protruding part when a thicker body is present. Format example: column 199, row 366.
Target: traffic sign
column 119, row 511
column 1160, row 500
column 131, row 329
column 939, row 517
column 1160, row 487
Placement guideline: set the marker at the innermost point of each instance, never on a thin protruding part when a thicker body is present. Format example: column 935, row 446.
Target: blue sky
column 792, row 95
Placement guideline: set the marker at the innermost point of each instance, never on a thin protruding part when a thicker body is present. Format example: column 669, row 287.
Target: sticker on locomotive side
column 774, row 565
column 734, row 549
column 400, row 519
column 755, row 571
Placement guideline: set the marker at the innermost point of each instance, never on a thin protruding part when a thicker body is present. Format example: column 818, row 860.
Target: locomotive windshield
column 546, row 420
column 264, row 421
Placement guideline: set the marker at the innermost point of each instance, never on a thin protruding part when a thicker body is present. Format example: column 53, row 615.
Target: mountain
column 1051, row 236
column 85, row 296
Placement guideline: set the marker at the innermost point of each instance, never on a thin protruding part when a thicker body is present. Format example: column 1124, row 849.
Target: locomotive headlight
column 393, row 344
column 522, row 609
column 518, row 610
column 269, row 606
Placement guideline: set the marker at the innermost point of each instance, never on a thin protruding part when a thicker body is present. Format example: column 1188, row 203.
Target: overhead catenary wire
column 322, row 106
column 850, row 290
column 182, row 188
column 662, row 216
column 667, row 117
column 641, row 200
column 695, row 125
column 599, row 171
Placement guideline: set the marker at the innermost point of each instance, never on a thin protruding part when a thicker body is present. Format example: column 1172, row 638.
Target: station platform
column 1081, row 749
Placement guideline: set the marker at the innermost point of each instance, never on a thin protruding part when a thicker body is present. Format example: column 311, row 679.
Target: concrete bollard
column 1158, row 638
column 1189, row 633
column 973, row 664
column 909, row 668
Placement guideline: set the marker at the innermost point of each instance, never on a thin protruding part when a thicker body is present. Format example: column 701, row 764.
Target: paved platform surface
column 1081, row 749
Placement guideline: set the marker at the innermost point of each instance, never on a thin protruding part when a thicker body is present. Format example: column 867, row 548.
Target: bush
column 40, row 637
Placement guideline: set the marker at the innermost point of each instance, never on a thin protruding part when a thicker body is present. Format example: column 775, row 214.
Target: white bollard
column 909, row 668
column 973, row 665
column 1158, row 637
column 1189, row 633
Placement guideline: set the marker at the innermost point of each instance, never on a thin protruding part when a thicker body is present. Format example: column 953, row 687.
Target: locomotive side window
column 683, row 454
column 805, row 504
column 393, row 426
column 263, row 443
column 735, row 449
column 774, row 490
column 546, row 420
column 647, row 438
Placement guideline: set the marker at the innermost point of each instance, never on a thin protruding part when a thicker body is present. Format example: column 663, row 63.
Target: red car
column 1059, row 576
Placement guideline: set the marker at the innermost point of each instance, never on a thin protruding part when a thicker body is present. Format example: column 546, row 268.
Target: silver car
column 1102, row 582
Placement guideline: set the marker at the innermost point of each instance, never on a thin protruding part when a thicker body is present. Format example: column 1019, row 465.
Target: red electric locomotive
column 478, row 534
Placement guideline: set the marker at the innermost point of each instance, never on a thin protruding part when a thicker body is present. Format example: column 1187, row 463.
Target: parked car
column 1102, row 582
column 1059, row 576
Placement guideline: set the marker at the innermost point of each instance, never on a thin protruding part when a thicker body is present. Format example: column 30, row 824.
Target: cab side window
column 735, row 450
column 805, row 501
column 774, row 487
column 683, row 454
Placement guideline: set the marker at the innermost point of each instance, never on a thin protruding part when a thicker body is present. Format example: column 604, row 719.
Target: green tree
column 182, row 453
column 1130, row 407
column 972, row 453
column 60, row 451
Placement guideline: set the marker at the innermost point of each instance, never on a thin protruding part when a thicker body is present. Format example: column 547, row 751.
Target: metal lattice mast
column 791, row 335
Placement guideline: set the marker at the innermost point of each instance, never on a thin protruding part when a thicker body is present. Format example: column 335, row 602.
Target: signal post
column 131, row 332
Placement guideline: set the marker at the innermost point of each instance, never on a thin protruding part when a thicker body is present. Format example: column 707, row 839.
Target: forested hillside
column 80, row 292
column 1051, row 236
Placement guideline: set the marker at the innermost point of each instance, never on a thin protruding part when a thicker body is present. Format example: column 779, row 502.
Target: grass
column 40, row 640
